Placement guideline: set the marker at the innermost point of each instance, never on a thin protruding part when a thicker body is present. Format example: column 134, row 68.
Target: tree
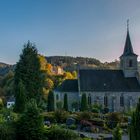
column 7, row 131
column 135, row 124
column 68, row 75
column 7, row 84
column 20, row 98
column 117, row 134
column 84, row 105
column 74, row 73
column 51, row 101
column 49, row 84
column 65, row 102
column 30, row 125
column 1, row 103
column 28, row 70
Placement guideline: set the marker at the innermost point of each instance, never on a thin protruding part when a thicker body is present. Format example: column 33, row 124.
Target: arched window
column 130, row 102
column 113, row 103
column 89, row 99
column 105, row 101
column 57, row 97
column 130, row 63
column 122, row 101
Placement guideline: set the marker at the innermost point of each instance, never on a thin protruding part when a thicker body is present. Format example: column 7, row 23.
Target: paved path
column 96, row 135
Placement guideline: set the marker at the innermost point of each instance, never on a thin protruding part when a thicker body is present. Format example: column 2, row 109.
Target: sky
column 89, row 28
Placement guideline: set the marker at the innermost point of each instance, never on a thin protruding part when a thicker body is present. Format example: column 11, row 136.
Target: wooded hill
column 5, row 68
column 70, row 63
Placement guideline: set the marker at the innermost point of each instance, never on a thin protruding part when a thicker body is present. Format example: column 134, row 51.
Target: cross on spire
column 127, row 24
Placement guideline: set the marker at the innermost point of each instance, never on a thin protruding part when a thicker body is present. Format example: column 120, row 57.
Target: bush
column 113, row 119
column 8, row 115
column 73, row 127
column 57, row 133
column 61, row 116
column 97, row 121
column 7, row 131
column 84, row 115
column 49, row 116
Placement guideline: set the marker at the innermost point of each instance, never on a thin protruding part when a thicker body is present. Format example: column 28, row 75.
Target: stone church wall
column 130, row 99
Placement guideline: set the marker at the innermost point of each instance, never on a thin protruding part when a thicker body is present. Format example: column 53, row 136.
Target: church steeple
column 128, row 60
column 128, row 49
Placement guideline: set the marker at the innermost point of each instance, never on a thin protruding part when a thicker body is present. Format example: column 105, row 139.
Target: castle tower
column 128, row 60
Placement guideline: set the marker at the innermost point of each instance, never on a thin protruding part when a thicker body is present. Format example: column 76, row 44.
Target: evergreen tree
column 20, row 98
column 84, row 105
column 135, row 124
column 28, row 70
column 51, row 101
column 117, row 134
column 30, row 125
column 65, row 102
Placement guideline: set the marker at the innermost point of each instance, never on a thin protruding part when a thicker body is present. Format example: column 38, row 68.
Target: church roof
column 128, row 49
column 107, row 80
column 69, row 85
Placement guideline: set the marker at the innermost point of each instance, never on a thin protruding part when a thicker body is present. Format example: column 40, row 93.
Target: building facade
column 118, row 90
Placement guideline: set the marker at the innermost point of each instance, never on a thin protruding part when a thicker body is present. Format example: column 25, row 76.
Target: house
column 57, row 70
column 118, row 90
column 10, row 102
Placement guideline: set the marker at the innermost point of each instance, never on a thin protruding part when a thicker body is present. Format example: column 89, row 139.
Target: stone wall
column 130, row 99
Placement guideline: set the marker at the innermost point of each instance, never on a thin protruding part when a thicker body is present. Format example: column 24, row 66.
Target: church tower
column 128, row 60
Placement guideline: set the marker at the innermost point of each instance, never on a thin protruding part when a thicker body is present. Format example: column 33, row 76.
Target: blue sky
column 92, row 28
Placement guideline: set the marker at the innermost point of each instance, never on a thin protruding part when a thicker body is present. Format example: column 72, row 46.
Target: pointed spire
column 128, row 25
column 128, row 49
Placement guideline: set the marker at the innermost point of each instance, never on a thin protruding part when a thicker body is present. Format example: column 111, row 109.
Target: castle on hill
column 117, row 90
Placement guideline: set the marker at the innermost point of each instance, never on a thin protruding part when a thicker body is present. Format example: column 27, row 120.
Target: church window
column 130, row 101
column 105, row 100
column 130, row 63
column 89, row 99
column 122, row 101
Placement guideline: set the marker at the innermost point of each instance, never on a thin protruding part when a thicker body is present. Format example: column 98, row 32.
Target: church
column 118, row 90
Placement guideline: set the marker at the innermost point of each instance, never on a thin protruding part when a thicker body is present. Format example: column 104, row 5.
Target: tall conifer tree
column 65, row 102
column 20, row 98
column 135, row 124
column 30, row 125
column 51, row 101
column 28, row 71
column 84, row 105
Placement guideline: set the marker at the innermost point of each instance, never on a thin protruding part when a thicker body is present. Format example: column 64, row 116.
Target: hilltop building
column 118, row 90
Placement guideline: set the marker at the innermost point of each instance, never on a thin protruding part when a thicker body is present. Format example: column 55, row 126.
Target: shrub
column 84, row 115
column 113, row 119
column 7, row 131
column 73, row 127
column 85, row 123
column 61, row 116
column 97, row 121
column 57, row 133
column 49, row 116
column 117, row 133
